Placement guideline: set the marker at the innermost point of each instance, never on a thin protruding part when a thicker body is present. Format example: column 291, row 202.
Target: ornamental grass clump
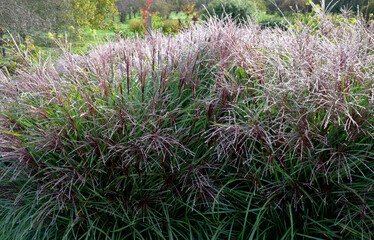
column 218, row 132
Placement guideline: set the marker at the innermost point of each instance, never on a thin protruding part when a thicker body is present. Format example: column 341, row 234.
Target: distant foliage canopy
column 353, row 5
column 29, row 18
column 368, row 10
column 285, row 6
column 93, row 12
column 238, row 9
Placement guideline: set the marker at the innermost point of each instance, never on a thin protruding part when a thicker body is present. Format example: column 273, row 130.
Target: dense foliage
column 137, row 26
column 353, row 5
column 218, row 132
column 128, row 8
column 368, row 10
column 93, row 13
column 24, row 18
column 240, row 10
column 288, row 6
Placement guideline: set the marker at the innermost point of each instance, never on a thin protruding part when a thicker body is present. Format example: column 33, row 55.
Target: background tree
column 84, row 11
column 201, row 3
column 34, row 17
column 238, row 9
column 129, row 7
column 29, row 18
column 354, row 5
column 368, row 10
column 105, row 10
column 163, row 7
column 93, row 13
column 287, row 6
column 15, row 16
column 123, row 8
column 333, row 6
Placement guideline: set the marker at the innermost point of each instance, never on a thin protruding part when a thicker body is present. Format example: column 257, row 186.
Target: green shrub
column 272, row 21
column 239, row 10
column 18, row 54
column 157, row 22
column 353, row 5
column 137, row 26
column 287, row 6
column 368, row 10
column 10, row 63
column 170, row 26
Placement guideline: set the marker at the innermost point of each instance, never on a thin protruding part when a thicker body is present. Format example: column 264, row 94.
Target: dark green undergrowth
column 218, row 132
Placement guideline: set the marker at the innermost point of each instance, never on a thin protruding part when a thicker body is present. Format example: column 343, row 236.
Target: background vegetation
column 84, row 22
column 239, row 10
column 218, row 130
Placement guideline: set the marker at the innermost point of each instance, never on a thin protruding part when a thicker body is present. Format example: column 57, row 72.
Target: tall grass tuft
column 219, row 132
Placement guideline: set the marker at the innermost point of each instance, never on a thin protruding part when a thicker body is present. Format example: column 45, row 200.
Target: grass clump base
column 219, row 132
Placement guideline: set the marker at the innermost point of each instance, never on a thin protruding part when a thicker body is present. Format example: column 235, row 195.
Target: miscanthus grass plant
column 219, row 132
